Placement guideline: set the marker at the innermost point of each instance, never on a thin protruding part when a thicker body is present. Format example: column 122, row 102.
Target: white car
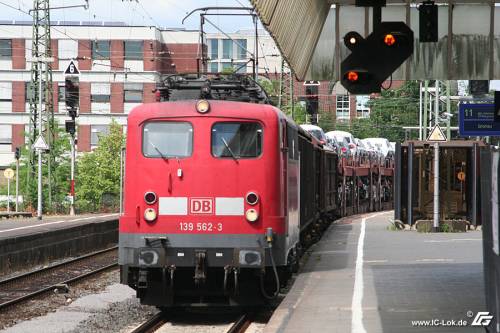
column 393, row 146
column 382, row 144
column 317, row 132
column 346, row 137
column 373, row 150
column 361, row 148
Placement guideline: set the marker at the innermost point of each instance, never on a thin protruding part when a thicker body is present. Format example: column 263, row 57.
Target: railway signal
column 312, row 103
column 72, row 98
column 390, row 44
column 72, row 93
column 428, row 22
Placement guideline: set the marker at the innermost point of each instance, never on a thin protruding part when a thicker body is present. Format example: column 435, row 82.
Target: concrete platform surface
column 363, row 277
column 27, row 226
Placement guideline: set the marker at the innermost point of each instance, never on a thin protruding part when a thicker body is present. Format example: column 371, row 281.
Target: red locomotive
column 217, row 193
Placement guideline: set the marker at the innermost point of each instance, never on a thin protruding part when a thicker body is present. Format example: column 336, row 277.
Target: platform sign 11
column 477, row 119
column 497, row 106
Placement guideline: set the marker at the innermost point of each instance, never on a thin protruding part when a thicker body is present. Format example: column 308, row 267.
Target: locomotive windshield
column 167, row 139
column 237, row 140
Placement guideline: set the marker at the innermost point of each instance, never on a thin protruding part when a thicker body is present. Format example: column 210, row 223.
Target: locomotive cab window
column 237, row 140
column 167, row 139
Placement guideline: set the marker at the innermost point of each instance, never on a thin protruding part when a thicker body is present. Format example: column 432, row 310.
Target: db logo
column 201, row 206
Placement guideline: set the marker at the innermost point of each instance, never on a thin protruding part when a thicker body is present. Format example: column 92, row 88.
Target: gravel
column 50, row 302
column 118, row 317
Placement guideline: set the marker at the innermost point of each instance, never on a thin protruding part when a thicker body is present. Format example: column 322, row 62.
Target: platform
column 30, row 242
column 395, row 278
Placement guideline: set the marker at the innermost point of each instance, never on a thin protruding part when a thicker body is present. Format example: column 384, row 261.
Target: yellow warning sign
column 461, row 176
column 436, row 134
column 8, row 173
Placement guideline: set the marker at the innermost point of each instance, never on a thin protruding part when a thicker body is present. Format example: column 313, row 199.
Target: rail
column 241, row 325
column 20, row 288
column 152, row 324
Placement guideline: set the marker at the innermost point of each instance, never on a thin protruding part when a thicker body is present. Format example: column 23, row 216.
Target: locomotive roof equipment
column 230, row 87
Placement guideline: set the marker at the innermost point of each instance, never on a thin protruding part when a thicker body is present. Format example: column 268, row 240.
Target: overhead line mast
column 41, row 78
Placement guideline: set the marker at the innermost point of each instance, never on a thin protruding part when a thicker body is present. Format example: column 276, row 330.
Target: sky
column 164, row 13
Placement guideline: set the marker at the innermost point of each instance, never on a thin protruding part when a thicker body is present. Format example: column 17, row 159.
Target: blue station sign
column 477, row 120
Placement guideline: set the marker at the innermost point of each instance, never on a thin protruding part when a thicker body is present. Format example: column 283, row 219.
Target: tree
column 271, row 88
column 59, row 183
column 326, row 121
column 394, row 109
column 98, row 172
column 363, row 128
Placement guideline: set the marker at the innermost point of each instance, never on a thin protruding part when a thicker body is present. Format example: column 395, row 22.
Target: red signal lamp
column 352, row 76
column 389, row 39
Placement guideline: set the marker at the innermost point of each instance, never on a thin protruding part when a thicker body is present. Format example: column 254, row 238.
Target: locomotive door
column 291, row 173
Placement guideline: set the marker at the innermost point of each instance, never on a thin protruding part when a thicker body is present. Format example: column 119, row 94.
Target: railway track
column 152, row 324
column 20, row 288
column 161, row 318
column 241, row 325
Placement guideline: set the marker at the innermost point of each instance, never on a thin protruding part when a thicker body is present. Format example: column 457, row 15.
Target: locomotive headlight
column 252, row 198
column 150, row 198
column 251, row 215
column 150, row 214
column 202, row 106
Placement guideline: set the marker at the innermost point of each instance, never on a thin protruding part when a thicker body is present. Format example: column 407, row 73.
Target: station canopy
column 310, row 34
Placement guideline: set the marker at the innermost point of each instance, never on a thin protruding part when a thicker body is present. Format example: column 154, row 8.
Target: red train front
column 210, row 193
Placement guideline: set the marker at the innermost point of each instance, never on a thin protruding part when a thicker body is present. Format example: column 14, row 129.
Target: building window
column 362, row 109
column 5, row 91
column 61, row 93
column 213, row 45
column 363, row 113
column 67, row 48
column 28, row 92
column 5, row 48
column 100, row 93
column 31, row 92
column 342, row 106
column 240, row 67
column 227, row 67
column 227, row 49
column 100, row 50
column 241, row 45
column 5, row 134
column 132, row 93
column 133, row 50
column 97, row 131
column 214, row 67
